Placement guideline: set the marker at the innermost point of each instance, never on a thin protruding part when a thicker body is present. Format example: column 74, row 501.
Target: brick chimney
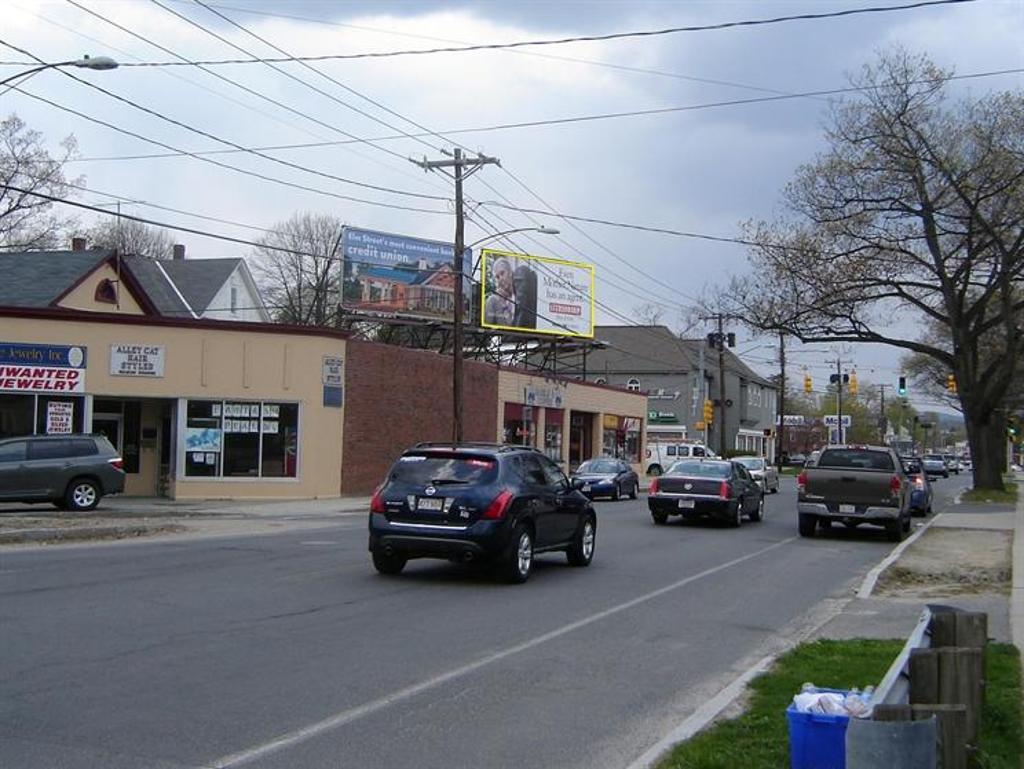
column 179, row 251
column 78, row 243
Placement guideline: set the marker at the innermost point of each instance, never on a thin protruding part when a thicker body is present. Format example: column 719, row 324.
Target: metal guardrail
column 895, row 686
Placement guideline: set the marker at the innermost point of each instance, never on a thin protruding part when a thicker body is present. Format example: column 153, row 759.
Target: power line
column 577, row 39
column 586, row 118
column 214, row 137
column 246, row 172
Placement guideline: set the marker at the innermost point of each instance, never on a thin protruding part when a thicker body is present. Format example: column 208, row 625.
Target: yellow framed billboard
column 536, row 294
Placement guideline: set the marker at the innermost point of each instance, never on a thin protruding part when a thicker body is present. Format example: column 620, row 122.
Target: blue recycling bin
column 816, row 740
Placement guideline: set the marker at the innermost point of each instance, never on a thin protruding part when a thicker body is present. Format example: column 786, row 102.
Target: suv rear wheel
column 808, row 523
column 581, row 551
column 894, row 530
column 82, row 494
column 388, row 564
column 519, row 556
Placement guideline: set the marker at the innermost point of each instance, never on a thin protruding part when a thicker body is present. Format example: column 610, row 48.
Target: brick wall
column 396, row 397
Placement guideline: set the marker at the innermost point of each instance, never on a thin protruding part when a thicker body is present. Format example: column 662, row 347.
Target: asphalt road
column 290, row 651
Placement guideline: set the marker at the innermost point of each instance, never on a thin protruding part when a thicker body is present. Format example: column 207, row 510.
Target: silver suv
column 70, row 471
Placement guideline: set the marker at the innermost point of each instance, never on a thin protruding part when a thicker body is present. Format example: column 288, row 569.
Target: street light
column 542, row 229
column 86, row 62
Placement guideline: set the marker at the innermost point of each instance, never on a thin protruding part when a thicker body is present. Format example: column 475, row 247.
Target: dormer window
column 633, row 384
column 106, row 291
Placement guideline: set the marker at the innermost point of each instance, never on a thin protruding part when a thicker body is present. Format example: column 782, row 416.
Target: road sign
column 832, row 420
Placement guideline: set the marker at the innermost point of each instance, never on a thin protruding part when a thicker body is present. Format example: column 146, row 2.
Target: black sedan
column 715, row 488
column 606, row 478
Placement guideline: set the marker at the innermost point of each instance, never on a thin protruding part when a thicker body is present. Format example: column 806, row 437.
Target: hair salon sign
column 146, row 360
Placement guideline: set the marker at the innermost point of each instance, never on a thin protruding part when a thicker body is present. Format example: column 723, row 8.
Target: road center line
column 348, row 716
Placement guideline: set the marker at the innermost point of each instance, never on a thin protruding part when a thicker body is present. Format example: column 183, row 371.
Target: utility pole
column 781, row 432
column 702, row 391
column 721, row 385
column 839, row 397
column 882, row 422
column 457, row 163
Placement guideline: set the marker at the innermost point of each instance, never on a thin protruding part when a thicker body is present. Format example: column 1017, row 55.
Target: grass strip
column 759, row 738
column 1007, row 495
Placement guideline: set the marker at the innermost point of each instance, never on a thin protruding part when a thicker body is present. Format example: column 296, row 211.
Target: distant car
column 606, row 478
column 661, row 455
column 796, row 460
column 479, row 502
column 812, row 458
column 762, row 472
column 920, row 487
column 935, row 465
column 73, row 472
column 952, row 463
column 715, row 488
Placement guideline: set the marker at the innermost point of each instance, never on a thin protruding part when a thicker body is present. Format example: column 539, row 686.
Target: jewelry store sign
column 144, row 360
column 42, row 368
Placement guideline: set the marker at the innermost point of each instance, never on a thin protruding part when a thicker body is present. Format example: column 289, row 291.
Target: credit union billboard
column 535, row 293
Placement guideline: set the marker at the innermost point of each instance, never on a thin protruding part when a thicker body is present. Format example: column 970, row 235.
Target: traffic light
column 853, row 383
column 951, row 384
column 902, row 387
column 709, row 410
column 808, row 385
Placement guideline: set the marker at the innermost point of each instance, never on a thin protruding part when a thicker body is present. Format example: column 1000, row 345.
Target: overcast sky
column 702, row 170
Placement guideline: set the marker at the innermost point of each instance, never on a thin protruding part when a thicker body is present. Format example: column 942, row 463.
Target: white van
column 661, row 455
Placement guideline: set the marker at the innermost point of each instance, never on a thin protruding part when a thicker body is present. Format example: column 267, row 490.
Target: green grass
column 759, row 738
column 1008, row 495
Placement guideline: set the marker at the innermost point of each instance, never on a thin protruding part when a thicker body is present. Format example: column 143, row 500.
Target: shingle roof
column 642, row 349
column 37, row 278
column 157, row 286
column 199, row 280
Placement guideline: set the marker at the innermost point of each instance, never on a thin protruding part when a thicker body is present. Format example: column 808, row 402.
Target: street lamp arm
column 86, row 62
column 542, row 230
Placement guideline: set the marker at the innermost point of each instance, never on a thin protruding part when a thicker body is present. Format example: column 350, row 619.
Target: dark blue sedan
column 920, row 487
column 606, row 478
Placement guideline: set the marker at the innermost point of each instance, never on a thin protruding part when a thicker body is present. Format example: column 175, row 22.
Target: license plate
column 430, row 504
column 847, row 508
column 686, row 504
column 586, row 487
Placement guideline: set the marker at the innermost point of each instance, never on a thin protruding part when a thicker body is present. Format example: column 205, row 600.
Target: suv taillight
column 895, row 484
column 497, row 509
column 116, row 462
column 654, row 487
column 377, row 502
column 801, row 482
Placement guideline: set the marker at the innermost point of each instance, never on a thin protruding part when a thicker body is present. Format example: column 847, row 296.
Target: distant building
column 652, row 359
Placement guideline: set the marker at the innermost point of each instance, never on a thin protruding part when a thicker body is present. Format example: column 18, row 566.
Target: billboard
column 399, row 275
column 535, row 293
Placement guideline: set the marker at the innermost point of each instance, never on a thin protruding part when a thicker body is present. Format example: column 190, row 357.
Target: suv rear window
column 62, row 448
column 419, row 469
column 857, row 459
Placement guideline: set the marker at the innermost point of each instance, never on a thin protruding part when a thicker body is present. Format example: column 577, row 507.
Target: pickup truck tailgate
column 848, row 486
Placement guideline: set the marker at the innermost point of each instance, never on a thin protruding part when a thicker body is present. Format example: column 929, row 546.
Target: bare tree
column 649, row 314
column 913, row 215
column 301, row 284
column 131, row 237
column 28, row 222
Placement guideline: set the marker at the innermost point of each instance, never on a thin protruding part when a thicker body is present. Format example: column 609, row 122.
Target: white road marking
column 348, row 716
column 319, row 542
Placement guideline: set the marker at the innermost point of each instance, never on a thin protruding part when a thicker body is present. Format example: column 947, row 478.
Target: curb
column 19, row 536
column 868, row 585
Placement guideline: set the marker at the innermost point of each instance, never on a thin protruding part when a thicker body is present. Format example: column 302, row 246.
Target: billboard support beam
column 457, row 163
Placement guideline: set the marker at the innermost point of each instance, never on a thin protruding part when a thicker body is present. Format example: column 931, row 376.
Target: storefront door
column 580, row 438
column 110, row 426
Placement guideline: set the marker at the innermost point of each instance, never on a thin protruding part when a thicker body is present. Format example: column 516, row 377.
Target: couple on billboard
column 511, row 294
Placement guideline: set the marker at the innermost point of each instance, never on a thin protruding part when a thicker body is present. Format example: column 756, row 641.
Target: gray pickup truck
column 854, row 485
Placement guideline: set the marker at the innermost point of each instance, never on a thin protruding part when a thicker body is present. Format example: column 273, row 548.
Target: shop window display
column 234, row 439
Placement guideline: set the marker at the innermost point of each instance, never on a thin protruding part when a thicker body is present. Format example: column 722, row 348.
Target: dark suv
column 478, row 502
column 71, row 471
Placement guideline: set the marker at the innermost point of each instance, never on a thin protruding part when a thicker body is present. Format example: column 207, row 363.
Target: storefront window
column 233, row 439
column 632, row 446
column 16, row 415
column 519, row 425
column 280, row 440
column 553, row 434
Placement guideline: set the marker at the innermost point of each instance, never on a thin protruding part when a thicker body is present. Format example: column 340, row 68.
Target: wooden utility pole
column 457, row 163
